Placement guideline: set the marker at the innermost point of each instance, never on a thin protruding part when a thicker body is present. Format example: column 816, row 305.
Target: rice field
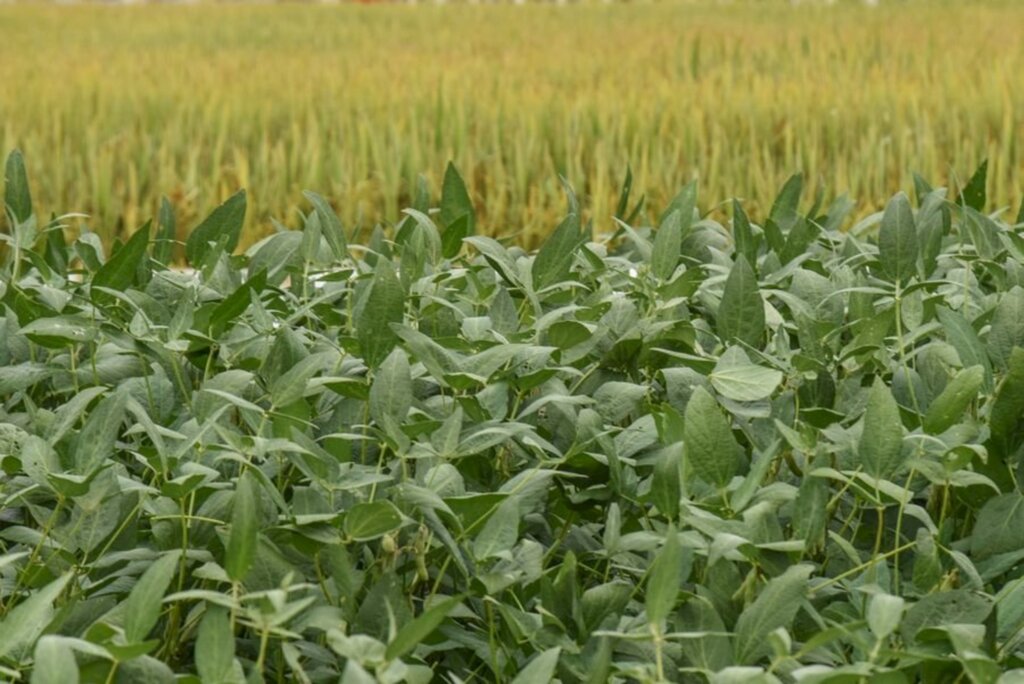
column 116, row 106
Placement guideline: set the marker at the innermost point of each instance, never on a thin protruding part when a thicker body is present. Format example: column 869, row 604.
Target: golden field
column 114, row 106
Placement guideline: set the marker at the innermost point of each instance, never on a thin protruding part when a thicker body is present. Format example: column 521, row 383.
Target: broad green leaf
column 215, row 646
column 411, row 634
column 243, row 537
column 965, row 340
column 897, row 239
column 166, row 234
column 785, row 209
column 554, row 259
column 96, row 441
column 119, row 271
column 383, row 304
column 330, row 225
column 1008, row 405
column 881, row 442
column 959, row 606
column 973, row 194
column 741, row 311
column 292, row 385
column 664, row 578
column 999, row 527
column 391, row 391
column 371, row 520
column 54, row 662
column 16, row 193
column 711, row 448
column 1007, row 329
column 885, row 612
column 23, row 623
column 142, row 609
column 685, row 202
column 457, row 216
column 738, row 379
column 541, row 669
column 501, row 531
column 59, row 331
column 775, row 607
column 667, row 246
column 743, row 233
column 948, row 408
column 222, row 226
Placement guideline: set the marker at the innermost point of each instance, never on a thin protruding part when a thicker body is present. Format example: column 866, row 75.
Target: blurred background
column 117, row 105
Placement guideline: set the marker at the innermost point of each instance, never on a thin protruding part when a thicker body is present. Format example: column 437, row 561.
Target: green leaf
column 710, row 446
column 1008, row 405
column 330, row 225
column 371, row 520
column 948, row 408
column 166, row 234
column 741, row 311
column 142, row 608
column 775, row 607
column 743, row 233
column 59, row 331
column 664, row 578
column 885, row 612
column 412, row 633
column 1007, row 329
column 383, row 304
column 785, row 210
column 958, row 606
column 391, row 391
column 668, row 244
column 965, row 340
column 457, row 217
column 222, row 226
column 500, row 533
column 215, row 645
column 881, row 442
column 999, row 527
column 897, row 239
column 54, row 662
column 16, row 193
column 553, row 261
column 292, row 385
column 95, row 444
column 119, row 271
column 26, row 621
column 973, row 194
column 685, row 203
column 243, row 536
column 541, row 669
column 738, row 379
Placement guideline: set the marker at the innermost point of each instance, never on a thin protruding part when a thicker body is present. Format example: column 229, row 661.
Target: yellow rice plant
column 118, row 105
